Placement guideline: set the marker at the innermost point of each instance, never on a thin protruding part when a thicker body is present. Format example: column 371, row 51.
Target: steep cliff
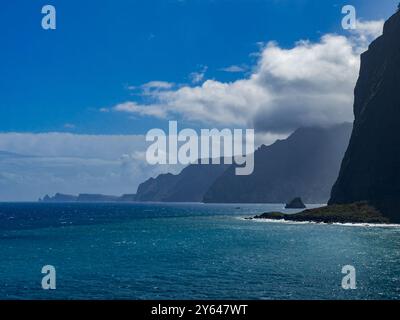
column 370, row 170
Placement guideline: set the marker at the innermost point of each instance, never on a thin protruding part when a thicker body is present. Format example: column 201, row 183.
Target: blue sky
column 59, row 80
column 76, row 102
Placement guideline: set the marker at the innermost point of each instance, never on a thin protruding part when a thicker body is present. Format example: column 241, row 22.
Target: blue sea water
column 188, row 251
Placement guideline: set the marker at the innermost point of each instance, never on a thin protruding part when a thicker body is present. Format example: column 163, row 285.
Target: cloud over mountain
column 309, row 84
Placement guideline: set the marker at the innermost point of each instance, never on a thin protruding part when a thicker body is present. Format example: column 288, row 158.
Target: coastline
column 354, row 213
column 299, row 223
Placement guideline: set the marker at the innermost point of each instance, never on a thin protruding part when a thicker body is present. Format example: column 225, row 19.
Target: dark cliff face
column 371, row 167
column 306, row 164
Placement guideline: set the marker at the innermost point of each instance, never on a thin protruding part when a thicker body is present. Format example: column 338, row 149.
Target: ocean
column 188, row 251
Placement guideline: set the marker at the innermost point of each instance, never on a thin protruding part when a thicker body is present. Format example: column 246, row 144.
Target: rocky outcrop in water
column 296, row 203
column 345, row 213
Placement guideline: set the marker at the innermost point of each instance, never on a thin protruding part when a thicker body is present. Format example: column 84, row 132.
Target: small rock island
column 296, row 203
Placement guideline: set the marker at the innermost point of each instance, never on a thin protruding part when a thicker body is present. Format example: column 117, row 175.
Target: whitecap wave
column 364, row 225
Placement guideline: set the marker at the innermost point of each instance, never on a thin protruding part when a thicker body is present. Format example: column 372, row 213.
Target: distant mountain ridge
column 6, row 154
column 189, row 185
column 304, row 165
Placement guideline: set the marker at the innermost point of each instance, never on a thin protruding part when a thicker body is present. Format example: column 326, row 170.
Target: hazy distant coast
column 59, row 197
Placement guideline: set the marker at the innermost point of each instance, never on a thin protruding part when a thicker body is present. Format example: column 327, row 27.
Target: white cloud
column 54, row 144
column 143, row 110
column 158, row 85
column 198, row 77
column 309, row 84
column 72, row 163
column 69, row 126
column 150, row 87
column 234, row 69
column 365, row 31
column 45, row 163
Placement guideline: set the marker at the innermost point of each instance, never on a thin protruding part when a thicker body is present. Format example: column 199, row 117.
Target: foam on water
column 282, row 221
